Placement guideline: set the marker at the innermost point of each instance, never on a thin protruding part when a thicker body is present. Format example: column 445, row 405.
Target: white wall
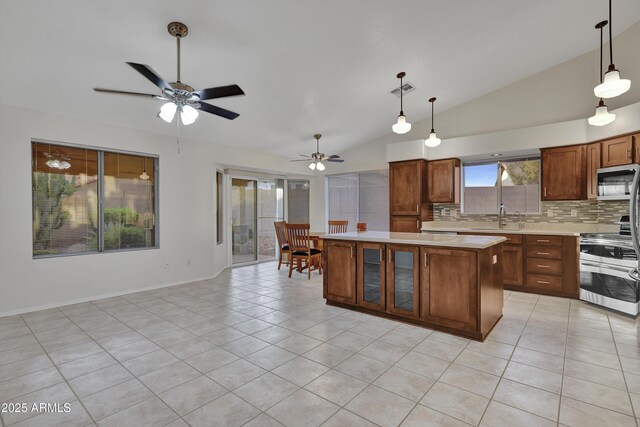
column 186, row 216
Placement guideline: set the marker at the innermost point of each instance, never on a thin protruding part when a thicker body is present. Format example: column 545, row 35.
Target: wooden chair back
column 362, row 226
column 338, row 226
column 298, row 237
column 281, row 234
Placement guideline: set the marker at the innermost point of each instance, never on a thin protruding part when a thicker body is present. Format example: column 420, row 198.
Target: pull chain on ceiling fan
column 180, row 96
column 317, row 158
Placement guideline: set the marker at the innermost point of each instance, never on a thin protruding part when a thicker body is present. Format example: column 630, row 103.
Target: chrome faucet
column 520, row 221
column 502, row 217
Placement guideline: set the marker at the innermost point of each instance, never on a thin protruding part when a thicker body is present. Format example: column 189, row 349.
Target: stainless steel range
column 606, row 261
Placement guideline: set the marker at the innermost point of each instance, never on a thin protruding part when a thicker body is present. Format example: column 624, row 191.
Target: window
column 298, row 202
column 219, row 207
column 359, row 197
column 514, row 183
column 87, row 200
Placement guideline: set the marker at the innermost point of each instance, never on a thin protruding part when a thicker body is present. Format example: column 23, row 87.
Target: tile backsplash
column 578, row 211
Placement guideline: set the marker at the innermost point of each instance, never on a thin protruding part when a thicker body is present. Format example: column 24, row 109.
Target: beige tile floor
column 255, row 348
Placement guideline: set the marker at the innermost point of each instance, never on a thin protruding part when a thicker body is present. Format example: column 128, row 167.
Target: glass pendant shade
column 168, row 111
column 312, row 166
column 188, row 114
column 320, row 166
column 612, row 85
column 432, row 141
column 401, row 126
column 144, row 175
column 602, row 116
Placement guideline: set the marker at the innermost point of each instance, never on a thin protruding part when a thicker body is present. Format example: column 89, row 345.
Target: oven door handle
column 610, row 270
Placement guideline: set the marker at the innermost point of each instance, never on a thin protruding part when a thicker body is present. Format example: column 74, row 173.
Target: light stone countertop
column 558, row 229
column 421, row 239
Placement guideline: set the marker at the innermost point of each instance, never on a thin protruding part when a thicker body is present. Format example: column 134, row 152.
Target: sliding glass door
column 255, row 205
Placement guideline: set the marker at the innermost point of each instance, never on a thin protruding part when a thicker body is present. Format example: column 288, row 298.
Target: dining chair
column 362, row 226
column 338, row 226
column 281, row 236
column 300, row 249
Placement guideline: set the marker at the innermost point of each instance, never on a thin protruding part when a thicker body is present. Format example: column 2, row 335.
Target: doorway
column 255, row 205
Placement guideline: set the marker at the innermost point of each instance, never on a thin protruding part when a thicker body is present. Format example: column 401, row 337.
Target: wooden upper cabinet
column 617, row 151
column 564, row 173
column 636, row 147
column 443, row 181
column 594, row 161
column 407, row 186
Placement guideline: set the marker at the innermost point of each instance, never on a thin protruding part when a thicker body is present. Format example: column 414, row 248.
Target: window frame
column 499, row 188
column 219, row 207
column 100, row 208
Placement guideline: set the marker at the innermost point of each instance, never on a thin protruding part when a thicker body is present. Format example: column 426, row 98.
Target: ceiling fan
column 180, row 96
column 317, row 158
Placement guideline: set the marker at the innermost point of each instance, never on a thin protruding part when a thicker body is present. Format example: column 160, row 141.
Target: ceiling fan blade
column 150, row 75
column 334, row 156
column 335, row 160
column 304, row 155
column 301, row 160
column 219, row 92
column 123, row 92
column 217, row 111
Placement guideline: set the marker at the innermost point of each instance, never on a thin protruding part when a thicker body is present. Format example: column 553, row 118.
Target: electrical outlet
column 574, row 213
column 453, row 213
column 550, row 213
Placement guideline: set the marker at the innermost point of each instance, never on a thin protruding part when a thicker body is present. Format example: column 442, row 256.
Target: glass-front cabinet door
column 371, row 275
column 402, row 280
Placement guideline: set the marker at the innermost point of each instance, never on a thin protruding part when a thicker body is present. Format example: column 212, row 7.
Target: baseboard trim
column 103, row 296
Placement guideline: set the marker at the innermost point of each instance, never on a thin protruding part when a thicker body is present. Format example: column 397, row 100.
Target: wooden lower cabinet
column 512, row 265
column 403, row 296
column 371, row 276
column 339, row 265
column 406, row 224
column 448, row 284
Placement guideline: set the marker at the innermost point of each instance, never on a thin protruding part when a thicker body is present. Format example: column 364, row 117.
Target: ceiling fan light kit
column 433, row 140
column 401, row 126
column 612, row 85
column 602, row 117
column 180, row 96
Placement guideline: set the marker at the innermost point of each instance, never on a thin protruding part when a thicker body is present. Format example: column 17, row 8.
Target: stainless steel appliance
column 606, row 263
column 614, row 183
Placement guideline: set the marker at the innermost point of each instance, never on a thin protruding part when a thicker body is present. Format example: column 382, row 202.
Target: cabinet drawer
column 542, row 281
column 544, row 266
column 549, row 252
column 544, row 240
column 513, row 239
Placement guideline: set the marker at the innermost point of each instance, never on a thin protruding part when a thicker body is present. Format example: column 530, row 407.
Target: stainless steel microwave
column 615, row 183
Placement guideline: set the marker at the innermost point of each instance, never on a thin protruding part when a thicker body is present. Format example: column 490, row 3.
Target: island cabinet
column 449, row 288
column 339, row 264
column 457, row 290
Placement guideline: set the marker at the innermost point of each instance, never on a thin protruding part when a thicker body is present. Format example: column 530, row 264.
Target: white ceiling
column 306, row 66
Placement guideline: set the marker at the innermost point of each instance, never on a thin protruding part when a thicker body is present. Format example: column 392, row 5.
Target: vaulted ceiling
column 306, row 66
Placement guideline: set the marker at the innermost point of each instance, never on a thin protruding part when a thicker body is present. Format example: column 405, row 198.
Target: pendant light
column 144, row 175
column 402, row 126
column 433, row 140
column 612, row 85
column 602, row 116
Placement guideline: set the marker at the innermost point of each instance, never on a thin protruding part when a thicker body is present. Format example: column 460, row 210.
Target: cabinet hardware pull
column 545, row 191
column 450, row 195
column 543, row 266
column 543, row 253
column 544, row 282
column 543, row 240
column 425, row 259
column 418, row 224
column 390, row 258
column 380, row 255
column 417, row 208
column 627, row 154
column 351, row 248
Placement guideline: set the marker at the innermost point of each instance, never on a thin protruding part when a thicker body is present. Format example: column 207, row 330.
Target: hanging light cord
column 610, row 39
column 432, row 116
column 401, row 109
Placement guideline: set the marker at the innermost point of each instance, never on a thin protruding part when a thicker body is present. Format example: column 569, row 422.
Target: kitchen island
column 447, row 282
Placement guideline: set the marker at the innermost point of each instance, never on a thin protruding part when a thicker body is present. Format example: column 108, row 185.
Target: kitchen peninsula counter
column 451, row 282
